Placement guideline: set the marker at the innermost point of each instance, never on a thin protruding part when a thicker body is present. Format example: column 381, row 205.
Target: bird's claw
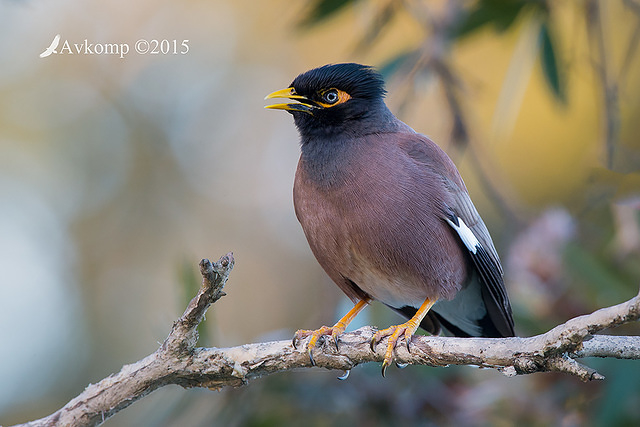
column 345, row 375
column 394, row 333
column 316, row 335
column 384, row 367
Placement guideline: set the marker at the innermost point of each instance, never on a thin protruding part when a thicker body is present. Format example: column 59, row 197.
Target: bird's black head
column 334, row 99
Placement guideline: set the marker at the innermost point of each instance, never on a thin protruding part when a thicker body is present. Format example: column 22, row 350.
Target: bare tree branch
column 178, row 361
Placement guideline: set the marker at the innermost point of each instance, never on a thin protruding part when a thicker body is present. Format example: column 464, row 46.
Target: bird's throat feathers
column 325, row 160
column 328, row 152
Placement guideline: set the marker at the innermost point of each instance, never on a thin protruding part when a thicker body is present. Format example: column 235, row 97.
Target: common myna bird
column 387, row 214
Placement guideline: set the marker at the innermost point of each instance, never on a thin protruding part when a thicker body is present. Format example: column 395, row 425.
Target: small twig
column 184, row 334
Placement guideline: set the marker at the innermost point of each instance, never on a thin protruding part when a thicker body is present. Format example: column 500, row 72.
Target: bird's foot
column 334, row 330
column 394, row 333
column 315, row 335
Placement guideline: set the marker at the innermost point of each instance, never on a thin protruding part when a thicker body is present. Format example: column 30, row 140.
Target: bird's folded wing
column 465, row 220
column 487, row 264
column 463, row 217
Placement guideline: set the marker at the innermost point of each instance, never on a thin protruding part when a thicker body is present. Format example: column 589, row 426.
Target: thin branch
column 178, row 361
column 608, row 85
column 619, row 347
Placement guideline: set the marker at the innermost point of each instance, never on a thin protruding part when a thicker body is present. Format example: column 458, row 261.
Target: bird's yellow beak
column 304, row 105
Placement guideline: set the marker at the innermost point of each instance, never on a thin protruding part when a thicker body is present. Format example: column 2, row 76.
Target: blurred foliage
column 147, row 159
column 321, row 10
column 499, row 15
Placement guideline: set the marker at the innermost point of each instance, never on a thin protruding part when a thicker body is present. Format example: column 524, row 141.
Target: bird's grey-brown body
column 385, row 210
column 372, row 221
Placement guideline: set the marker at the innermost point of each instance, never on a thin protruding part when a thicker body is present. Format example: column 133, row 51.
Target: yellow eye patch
column 332, row 97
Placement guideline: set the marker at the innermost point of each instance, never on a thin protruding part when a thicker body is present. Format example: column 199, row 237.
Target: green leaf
column 500, row 14
column 394, row 64
column 550, row 67
column 321, row 10
column 476, row 19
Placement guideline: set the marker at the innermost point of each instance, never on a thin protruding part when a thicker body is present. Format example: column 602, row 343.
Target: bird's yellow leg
column 394, row 332
column 334, row 330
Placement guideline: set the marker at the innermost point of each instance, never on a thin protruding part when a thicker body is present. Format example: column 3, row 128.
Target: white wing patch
column 466, row 235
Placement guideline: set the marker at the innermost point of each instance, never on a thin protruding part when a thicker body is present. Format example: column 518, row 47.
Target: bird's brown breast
column 375, row 218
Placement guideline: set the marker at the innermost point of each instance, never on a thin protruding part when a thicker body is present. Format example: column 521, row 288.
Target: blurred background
column 117, row 175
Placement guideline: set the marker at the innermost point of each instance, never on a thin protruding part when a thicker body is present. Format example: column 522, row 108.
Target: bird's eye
column 331, row 97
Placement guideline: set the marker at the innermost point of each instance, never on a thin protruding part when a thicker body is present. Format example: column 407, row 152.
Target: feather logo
column 52, row 47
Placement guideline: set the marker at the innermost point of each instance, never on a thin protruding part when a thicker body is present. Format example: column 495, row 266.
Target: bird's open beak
column 304, row 104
